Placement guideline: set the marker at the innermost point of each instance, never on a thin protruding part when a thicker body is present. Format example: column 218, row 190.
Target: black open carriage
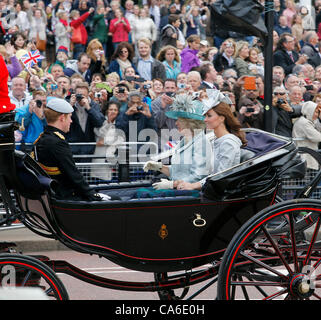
column 234, row 234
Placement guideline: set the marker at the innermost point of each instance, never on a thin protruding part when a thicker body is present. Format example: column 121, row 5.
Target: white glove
column 152, row 165
column 164, row 184
column 103, row 196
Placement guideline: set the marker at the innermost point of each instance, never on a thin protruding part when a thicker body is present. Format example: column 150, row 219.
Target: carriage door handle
column 199, row 221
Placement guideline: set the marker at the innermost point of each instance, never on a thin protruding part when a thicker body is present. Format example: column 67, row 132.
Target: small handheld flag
column 31, row 58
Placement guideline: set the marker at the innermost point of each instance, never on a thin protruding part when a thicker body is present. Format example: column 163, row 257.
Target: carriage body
column 169, row 233
column 164, row 234
column 156, row 236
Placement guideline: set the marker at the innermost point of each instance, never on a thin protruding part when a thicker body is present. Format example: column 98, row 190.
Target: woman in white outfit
column 62, row 31
column 144, row 27
column 107, row 140
column 38, row 25
column 307, row 129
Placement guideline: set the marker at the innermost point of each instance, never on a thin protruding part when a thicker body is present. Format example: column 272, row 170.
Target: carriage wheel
column 24, row 271
column 275, row 255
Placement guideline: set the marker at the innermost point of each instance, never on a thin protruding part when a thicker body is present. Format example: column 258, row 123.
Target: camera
column 170, row 94
column 79, row 97
column 195, row 95
column 309, row 87
column 121, row 90
column 130, row 79
column 279, row 102
column 97, row 95
column 140, row 108
column 250, row 109
column 147, row 86
column 38, row 103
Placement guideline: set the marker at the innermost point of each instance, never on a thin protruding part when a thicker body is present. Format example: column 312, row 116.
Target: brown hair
column 161, row 54
column 121, row 45
column 93, row 45
column 83, row 85
column 192, row 38
column 232, row 124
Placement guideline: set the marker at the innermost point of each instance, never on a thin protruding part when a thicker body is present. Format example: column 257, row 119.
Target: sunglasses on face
column 280, row 93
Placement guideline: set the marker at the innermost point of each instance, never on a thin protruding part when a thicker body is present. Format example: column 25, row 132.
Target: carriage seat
column 246, row 155
column 258, row 144
column 32, row 182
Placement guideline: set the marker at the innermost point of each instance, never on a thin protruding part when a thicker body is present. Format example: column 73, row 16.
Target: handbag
column 41, row 44
column 76, row 35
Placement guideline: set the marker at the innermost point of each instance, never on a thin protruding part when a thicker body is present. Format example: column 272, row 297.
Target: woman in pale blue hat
column 192, row 156
column 228, row 136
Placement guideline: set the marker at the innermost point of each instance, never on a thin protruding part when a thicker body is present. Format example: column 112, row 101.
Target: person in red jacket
column 119, row 28
column 5, row 103
column 79, row 34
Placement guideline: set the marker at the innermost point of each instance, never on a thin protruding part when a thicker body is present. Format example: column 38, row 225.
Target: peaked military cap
column 60, row 105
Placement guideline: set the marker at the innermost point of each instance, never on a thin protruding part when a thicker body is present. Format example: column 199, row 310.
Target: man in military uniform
column 54, row 155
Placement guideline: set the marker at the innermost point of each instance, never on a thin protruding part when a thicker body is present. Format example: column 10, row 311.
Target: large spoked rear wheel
column 24, row 271
column 276, row 255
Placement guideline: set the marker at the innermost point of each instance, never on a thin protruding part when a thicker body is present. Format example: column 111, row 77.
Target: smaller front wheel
column 19, row 271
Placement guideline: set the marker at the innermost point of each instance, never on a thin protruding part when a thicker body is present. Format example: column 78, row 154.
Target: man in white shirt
column 18, row 94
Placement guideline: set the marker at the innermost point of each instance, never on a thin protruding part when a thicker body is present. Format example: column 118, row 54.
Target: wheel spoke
column 26, row 278
column 293, row 241
column 314, row 237
column 275, row 295
column 277, row 251
column 254, row 284
column 245, row 294
column 263, row 265
column 49, row 291
column 317, row 264
column 317, row 296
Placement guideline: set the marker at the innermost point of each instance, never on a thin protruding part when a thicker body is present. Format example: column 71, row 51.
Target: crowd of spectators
column 120, row 63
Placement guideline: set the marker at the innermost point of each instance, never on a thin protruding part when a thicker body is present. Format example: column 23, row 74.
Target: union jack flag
column 31, row 58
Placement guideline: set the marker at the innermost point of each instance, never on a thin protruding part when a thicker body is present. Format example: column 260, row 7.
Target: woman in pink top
column 119, row 28
column 290, row 11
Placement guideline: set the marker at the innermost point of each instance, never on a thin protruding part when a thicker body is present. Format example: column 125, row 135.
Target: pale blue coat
column 192, row 161
column 227, row 153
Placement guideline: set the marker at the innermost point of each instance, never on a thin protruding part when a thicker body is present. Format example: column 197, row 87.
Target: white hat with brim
column 59, row 105
column 215, row 97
